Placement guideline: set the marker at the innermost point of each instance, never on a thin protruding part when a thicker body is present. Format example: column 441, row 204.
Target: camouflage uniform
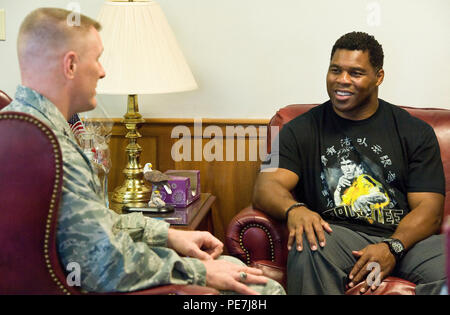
column 115, row 252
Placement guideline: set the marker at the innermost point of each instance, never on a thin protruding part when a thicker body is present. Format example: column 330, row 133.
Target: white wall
column 251, row 57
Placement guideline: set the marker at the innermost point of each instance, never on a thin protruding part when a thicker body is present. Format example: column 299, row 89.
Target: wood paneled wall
column 230, row 179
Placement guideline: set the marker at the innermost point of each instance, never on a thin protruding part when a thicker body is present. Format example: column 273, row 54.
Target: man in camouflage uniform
column 60, row 68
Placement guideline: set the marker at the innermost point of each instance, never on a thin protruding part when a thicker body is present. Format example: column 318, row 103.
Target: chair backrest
column 30, row 190
column 4, row 99
column 437, row 118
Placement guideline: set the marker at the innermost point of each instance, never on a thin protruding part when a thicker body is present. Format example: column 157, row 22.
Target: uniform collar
column 45, row 107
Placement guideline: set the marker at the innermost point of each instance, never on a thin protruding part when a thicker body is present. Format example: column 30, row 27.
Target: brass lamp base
column 134, row 192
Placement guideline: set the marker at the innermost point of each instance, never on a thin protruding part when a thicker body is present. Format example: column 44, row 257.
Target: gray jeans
column 326, row 270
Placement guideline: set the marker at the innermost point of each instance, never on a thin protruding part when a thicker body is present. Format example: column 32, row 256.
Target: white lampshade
column 141, row 54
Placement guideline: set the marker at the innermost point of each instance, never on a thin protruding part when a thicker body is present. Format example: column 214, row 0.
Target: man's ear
column 70, row 61
column 380, row 76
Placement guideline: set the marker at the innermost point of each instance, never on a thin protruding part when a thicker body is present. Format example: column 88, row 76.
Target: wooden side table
column 196, row 216
column 199, row 215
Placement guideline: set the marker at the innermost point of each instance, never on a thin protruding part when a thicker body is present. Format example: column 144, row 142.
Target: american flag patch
column 76, row 125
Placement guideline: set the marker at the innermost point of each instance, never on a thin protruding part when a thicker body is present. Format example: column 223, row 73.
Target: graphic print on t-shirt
column 352, row 187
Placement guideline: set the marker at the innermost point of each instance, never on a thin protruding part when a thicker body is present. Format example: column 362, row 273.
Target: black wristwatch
column 396, row 247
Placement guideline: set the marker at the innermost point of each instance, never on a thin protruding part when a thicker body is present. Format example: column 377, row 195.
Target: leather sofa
column 261, row 241
column 30, row 190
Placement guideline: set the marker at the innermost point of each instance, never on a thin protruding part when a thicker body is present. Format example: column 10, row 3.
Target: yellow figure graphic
column 360, row 191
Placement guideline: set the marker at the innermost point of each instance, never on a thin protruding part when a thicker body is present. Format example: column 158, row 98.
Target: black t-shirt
column 358, row 173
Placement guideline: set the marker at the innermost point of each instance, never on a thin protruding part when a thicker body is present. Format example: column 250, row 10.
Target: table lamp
column 141, row 56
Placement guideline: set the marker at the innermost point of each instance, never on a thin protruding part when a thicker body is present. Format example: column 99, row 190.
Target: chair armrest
column 389, row 286
column 446, row 229
column 272, row 270
column 252, row 236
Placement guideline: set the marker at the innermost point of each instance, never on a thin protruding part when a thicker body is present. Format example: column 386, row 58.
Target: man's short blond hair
column 49, row 28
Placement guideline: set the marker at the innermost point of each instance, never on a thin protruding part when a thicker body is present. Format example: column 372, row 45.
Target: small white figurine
column 156, row 201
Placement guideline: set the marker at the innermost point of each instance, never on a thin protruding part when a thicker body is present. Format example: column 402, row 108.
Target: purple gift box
column 185, row 186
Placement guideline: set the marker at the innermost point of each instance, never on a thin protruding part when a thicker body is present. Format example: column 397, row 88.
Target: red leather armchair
column 261, row 241
column 4, row 99
column 30, row 190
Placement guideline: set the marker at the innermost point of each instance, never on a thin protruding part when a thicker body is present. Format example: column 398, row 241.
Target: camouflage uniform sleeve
column 141, row 229
column 115, row 252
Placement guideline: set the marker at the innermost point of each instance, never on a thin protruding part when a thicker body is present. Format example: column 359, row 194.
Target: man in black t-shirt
column 369, row 179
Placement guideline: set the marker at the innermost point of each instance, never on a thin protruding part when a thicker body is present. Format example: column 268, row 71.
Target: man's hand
column 301, row 220
column 272, row 195
column 423, row 220
column 225, row 275
column 375, row 253
column 197, row 244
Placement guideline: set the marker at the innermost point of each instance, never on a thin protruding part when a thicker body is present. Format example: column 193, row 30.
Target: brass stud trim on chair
column 245, row 250
column 55, row 144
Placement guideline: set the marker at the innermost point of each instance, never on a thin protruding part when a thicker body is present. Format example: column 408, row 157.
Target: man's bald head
column 45, row 34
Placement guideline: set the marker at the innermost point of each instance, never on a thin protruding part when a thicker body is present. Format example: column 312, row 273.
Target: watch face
column 397, row 247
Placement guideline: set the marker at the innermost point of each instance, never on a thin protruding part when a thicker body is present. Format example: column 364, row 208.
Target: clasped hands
column 220, row 274
column 301, row 221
